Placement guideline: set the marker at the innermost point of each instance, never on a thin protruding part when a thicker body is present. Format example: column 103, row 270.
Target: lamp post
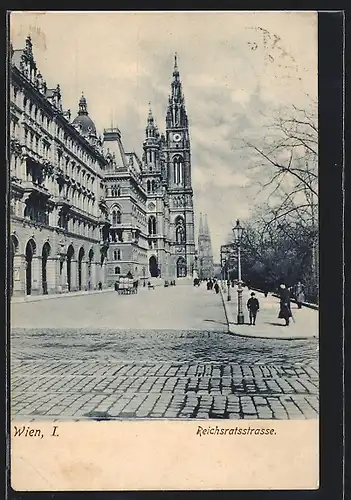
column 144, row 276
column 222, row 271
column 238, row 233
column 229, row 297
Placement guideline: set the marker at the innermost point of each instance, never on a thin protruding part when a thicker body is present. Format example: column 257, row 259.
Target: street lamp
column 238, row 234
column 144, row 275
column 229, row 297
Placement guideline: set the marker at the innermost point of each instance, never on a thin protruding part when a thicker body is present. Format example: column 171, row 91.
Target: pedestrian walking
column 253, row 306
column 100, row 285
column 216, row 287
column 116, row 286
column 300, row 294
column 285, row 310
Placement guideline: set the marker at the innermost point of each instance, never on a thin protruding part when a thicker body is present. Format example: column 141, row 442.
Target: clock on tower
column 177, row 137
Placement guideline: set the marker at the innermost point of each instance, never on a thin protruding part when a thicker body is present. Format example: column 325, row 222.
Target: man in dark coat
column 285, row 311
column 253, row 306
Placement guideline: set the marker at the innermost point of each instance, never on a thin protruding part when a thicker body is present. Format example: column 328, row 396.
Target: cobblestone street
column 164, row 353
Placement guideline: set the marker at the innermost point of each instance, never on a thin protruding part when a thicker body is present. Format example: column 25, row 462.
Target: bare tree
column 284, row 159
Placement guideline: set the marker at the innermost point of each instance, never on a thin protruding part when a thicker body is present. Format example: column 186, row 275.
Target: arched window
column 117, row 270
column 153, row 186
column 115, row 191
column 178, row 170
column 152, row 225
column 119, row 217
column 148, row 186
column 116, row 255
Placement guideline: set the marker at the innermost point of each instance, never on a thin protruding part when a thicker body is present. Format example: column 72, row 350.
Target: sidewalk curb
column 232, row 324
column 225, row 309
column 268, row 338
column 39, row 298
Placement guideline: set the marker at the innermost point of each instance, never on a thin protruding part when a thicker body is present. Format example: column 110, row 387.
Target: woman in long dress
column 285, row 310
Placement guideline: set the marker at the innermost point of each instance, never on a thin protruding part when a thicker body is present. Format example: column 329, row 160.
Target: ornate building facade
column 167, row 179
column 58, row 217
column 205, row 256
column 126, row 201
column 84, row 211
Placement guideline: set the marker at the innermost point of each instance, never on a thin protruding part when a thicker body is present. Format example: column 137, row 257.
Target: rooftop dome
column 86, row 123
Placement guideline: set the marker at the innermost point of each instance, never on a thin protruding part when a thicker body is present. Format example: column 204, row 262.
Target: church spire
column 201, row 227
column 176, row 114
column 206, row 229
column 175, row 69
column 151, row 129
column 150, row 118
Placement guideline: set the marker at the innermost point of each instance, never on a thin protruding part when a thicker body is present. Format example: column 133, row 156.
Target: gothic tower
column 154, row 182
column 178, row 171
column 205, row 257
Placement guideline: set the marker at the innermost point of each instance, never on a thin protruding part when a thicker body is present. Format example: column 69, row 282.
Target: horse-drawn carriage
column 126, row 285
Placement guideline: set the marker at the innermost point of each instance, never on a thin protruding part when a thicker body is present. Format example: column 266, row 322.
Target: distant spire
column 201, row 227
column 150, row 118
column 151, row 129
column 175, row 70
column 206, row 229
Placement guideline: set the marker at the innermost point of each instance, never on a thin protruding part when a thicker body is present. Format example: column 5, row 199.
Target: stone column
column 36, row 276
column 104, row 274
column 97, row 273
column 19, row 275
column 84, row 275
column 74, row 275
column 52, row 275
column 62, row 273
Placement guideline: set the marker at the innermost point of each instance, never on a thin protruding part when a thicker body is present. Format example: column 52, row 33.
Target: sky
column 236, row 68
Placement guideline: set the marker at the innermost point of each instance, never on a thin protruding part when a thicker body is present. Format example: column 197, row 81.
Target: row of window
column 79, row 200
column 42, row 148
column 40, row 214
column 36, row 144
column 76, row 226
column 33, row 111
column 74, row 170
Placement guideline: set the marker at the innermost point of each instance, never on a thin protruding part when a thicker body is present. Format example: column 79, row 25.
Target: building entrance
column 153, row 267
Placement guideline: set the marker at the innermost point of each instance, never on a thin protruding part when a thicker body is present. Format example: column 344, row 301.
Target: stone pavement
column 153, row 355
column 181, row 307
column 267, row 323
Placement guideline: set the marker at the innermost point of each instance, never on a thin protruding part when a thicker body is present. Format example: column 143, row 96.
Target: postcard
column 163, row 177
